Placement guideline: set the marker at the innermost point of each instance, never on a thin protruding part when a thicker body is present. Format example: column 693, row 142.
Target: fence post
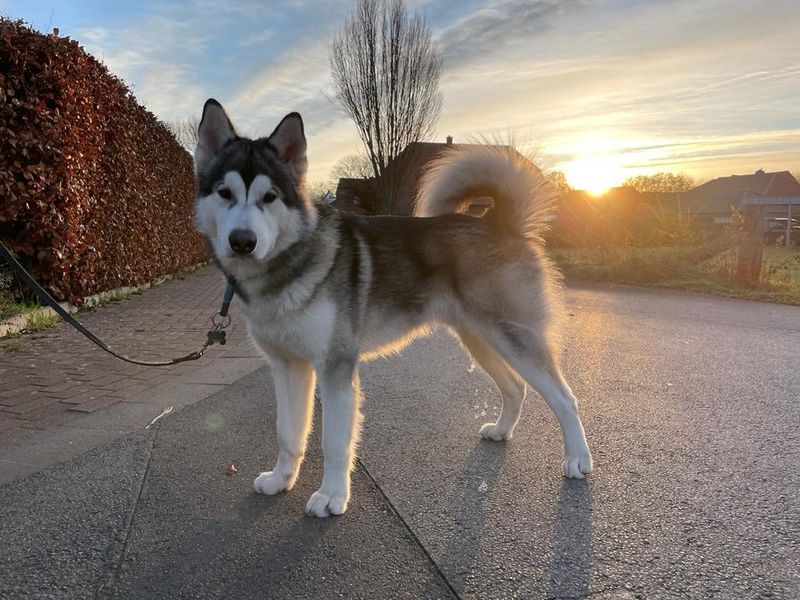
column 751, row 247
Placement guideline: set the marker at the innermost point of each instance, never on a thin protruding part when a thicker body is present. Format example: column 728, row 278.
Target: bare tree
column 185, row 131
column 351, row 166
column 662, row 183
column 317, row 190
column 559, row 182
column 386, row 68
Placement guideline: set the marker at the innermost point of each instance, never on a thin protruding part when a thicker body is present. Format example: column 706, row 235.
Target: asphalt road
column 690, row 405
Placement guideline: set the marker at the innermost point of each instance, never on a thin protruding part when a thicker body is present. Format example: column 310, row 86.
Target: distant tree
column 385, row 69
column 351, row 166
column 668, row 183
column 559, row 182
column 317, row 190
column 661, row 183
column 185, row 131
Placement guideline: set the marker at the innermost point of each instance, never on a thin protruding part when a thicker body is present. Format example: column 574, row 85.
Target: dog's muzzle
column 242, row 241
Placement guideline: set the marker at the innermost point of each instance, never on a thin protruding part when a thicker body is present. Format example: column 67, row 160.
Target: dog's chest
column 305, row 333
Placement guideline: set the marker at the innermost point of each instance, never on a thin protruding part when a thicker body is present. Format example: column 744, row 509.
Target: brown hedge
column 95, row 193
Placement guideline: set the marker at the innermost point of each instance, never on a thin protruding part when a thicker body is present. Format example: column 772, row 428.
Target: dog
column 322, row 289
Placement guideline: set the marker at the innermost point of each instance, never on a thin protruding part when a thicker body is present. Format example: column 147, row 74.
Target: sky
column 602, row 89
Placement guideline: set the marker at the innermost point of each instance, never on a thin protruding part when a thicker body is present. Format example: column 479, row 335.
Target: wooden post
column 752, row 245
column 789, row 226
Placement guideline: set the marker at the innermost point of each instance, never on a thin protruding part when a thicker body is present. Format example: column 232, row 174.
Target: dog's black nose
column 242, row 241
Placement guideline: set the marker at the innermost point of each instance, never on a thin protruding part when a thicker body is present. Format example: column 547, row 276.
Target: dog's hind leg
column 507, row 381
column 530, row 355
column 341, row 424
column 294, row 389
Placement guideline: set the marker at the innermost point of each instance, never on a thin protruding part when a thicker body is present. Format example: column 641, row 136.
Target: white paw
column 577, row 467
column 270, row 483
column 493, row 431
column 323, row 505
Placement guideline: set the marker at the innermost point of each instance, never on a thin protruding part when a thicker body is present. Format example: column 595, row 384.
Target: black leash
column 215, row 336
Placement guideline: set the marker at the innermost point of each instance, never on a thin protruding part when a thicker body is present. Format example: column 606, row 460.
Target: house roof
column 403, row 174
column 719, row 195
column 413, row 161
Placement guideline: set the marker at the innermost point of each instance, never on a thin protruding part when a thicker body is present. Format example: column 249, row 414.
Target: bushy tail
column 524, row 201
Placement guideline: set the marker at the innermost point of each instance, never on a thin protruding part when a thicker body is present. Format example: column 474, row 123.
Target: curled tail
column 524, row 201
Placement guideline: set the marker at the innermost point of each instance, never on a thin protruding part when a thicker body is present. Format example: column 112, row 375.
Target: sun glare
column 595, row 174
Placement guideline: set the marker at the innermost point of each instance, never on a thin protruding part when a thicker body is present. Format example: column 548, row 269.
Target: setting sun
column 595, row 174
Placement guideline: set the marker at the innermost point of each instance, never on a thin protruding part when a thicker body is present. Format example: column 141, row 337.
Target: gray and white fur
column 322, row 290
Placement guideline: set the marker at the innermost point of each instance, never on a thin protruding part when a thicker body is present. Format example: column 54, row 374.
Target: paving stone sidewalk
column 57, row 378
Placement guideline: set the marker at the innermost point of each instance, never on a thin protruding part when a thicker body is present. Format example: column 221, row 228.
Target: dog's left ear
column 290, row 141
column 214, row 131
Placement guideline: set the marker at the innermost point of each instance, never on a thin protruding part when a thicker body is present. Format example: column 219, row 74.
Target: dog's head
column 251, row 201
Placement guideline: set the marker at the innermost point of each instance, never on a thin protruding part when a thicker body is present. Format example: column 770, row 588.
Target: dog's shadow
column 569, row 574
column 475, row 485
column 250, row 543
column 283, row 554
column 569, row 570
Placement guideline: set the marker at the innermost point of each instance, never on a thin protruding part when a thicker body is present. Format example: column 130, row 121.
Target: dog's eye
column 225, row 193
column 269, row 197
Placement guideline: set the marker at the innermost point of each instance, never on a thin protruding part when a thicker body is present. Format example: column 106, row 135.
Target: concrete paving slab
column 46, row 448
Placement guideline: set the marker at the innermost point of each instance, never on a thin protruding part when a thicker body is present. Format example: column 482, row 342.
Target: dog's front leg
column 341, row 422
column 294, row 390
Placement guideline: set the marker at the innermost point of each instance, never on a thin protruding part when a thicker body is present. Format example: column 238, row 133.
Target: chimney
column 449, row 140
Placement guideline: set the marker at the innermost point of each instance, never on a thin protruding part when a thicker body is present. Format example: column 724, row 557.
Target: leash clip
column 221, row 320
column 217, row 334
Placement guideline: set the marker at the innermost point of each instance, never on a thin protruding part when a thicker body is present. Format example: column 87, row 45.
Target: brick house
column 715, row 200
column 405, row 173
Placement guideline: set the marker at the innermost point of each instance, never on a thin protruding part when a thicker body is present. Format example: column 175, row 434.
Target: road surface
column 691, row 407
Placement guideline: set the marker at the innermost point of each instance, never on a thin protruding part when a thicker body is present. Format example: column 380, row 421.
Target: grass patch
column 13, row 346
column 118, row 296
column 675, row 267
column 41, row 321
column 9, row 308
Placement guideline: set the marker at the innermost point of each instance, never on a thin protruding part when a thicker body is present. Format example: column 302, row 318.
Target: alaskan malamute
column 322, row 289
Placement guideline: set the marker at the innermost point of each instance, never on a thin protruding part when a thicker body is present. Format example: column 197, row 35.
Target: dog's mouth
column 233, row 256
column 255, row 256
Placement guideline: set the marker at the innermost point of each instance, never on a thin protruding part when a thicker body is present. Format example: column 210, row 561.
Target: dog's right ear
column 214, row 131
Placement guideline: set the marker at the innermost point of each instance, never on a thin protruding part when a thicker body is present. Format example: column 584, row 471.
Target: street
column 690, row 405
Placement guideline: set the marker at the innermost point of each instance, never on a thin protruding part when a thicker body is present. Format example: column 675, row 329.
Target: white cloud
column 703, row 85
column 709, row 70
column 158, row 58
